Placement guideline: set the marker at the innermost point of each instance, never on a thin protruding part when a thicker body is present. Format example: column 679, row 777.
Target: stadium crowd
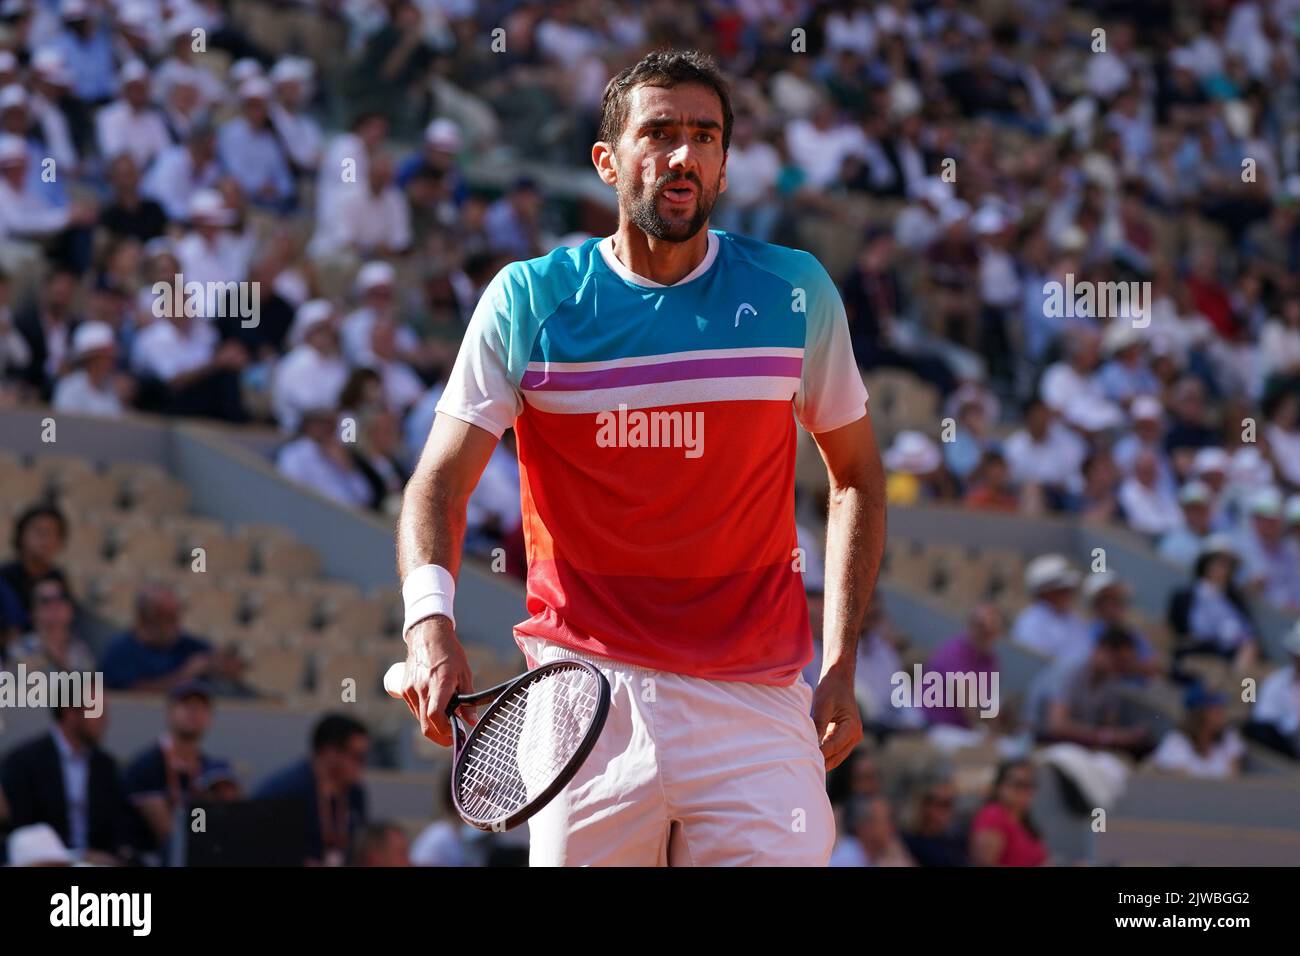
column 978, row 158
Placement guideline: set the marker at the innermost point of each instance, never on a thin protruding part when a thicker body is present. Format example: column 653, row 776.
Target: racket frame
column 464, row 736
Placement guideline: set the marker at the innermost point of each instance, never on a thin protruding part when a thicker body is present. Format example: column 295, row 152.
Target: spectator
column 1003, row 833
column 370, row 218
column 443, row 842
column 1182, row 544
column 1215, row 620
column 991, row 488
column 1148, row 430
column 294, row 125
column 1099, row 499
column 157, row 654
column 95, row 388
column 513, row 222
column 972, row 652
column 327, row 786
column 376, row 287
column 1275, row 718
column 1045, row 453
column 132, row 125
column 1049, row 625
column 379, row 457
column 1071, row 389
column 212, row 253
column 86, row 46
column 1108, row 598
column 382, row 844
column 402, row 388
column 184, row 171
column 870, row 839
column 916, row 471
column 129, row 214
column 29, row 212
column 1270, row 561
column 165, row 777
column 252, row 152
column 183, row 367
column 753, row 165
column 1093, row 707
column 53, row 643
column 1205, row 746
column 47, row 328
column 64, row 779
column 973, row 410
column 317, row 459
column 312, row 374
column 933, row 839
column 40, row 535
column 1149, row 505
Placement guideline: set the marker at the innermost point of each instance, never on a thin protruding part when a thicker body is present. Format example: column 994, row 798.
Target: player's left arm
column 855, row 542
column 831, row 404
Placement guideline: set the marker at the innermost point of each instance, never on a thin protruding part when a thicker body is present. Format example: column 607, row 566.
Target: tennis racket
column 527, row 744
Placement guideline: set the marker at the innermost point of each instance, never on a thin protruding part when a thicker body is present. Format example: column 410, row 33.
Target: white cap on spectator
column 244, row 70
column 1265, row 503
column 375, row 274
column 74, row 10
column 1050, row 572
column 12, row 150
column 133, row 71
column 255, row 88
column 443, row 134
column 50, row 66
column 1210, row 461
column 12, row 96
column 177, row 27
column 937, row 192
column 1145, row 408
column 134, row 15
column 1194, row 493
column 1120, row 335
column 91, row 337
column 1097, row 582
column 292, row 69
column 1291, row 640
column 208, row 206
column 913, row 453
column 309, row 315
column 37, row 844
column 988, row 221
column 1217, row 544
column 1250, row 468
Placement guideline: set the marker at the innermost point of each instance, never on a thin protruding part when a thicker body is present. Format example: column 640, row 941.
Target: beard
column 643, row 210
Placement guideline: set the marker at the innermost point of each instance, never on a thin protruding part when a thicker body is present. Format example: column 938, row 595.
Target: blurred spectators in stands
column 46, row 326
column 1092, row 705
column 129, row 214
column 251, row 151
column 874, row 679
column 183, row 171
column 1049, row 624
column 916, row 472
column 869, row 836
column 1003, row 833
column 380, row 457
column 319, row 459
column 1275, row 718
column 1205, row 746
column 382, row 844
column 1182, row 545
column 96, row 387
column 39, row 538
column 131, row 125
column 932, row 837
column 494, row 511
column 53, row 644
column 328, row 787
column 312, row 374
column 974, row 651
column 1046, row 453
column 990, row 487
column 1108, row 598
column 444, row 841
column 165, row 777
column 157, row 653
column 974, row 411
column 1150, row 505
column 63, row 778
column 749, row 205
column 1211, row 616
column 1270, row 561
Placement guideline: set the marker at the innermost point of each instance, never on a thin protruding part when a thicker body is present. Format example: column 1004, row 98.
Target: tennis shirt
column 657, row 443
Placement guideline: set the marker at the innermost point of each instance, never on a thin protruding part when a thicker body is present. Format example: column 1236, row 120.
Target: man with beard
column 650, row 377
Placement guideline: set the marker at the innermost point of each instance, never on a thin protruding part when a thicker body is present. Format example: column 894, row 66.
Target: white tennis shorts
column 690, row 772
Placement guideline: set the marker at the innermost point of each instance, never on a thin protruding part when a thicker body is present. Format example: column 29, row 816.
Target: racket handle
column 394, row 678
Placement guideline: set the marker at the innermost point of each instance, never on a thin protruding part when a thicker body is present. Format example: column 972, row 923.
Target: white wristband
column 428, row 590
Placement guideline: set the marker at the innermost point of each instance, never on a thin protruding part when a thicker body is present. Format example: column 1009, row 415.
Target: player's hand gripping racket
column 526, row 746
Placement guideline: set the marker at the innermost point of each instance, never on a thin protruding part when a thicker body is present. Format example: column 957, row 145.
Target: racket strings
column 526, row 742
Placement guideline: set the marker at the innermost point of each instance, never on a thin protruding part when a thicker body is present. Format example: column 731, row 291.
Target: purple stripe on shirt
column 773, row 365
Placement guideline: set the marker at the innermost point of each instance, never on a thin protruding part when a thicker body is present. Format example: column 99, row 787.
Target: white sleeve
column 831, row 394
column 481, row 389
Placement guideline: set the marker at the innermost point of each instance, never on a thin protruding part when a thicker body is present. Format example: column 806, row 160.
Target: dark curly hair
column 663, row 68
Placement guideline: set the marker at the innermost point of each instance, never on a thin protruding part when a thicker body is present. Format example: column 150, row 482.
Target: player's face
column 670, row 162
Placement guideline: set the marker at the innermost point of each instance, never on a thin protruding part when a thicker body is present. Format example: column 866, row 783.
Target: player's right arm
column 431, row 530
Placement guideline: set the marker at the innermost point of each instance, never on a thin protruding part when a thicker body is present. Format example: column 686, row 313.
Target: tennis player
column 653, row 379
